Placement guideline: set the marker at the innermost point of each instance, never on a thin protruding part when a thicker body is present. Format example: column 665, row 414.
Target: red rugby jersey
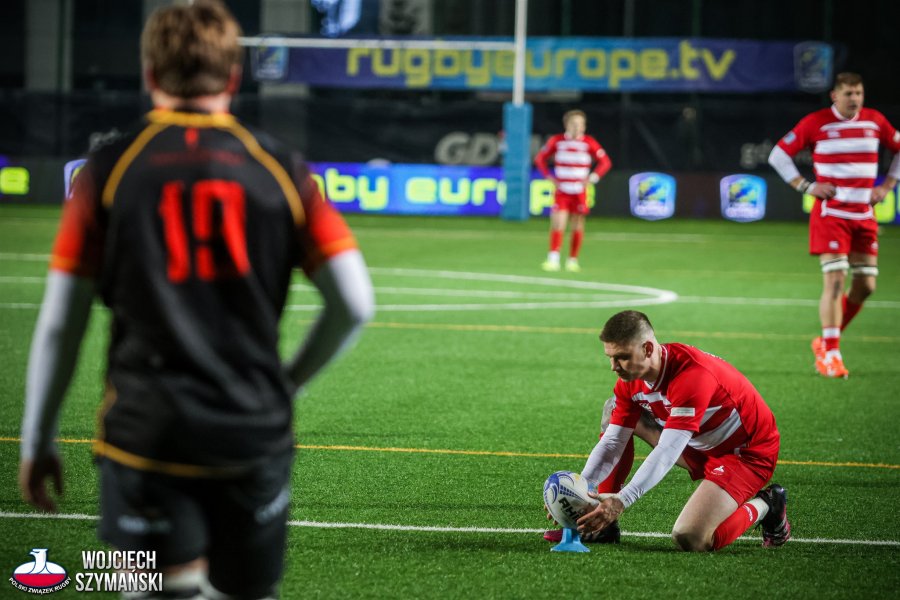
column 702, row 393
column 845, row 153
column 572, row 159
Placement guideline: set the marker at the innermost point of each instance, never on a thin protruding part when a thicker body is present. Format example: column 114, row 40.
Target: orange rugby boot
column 818, row 347
column 832, row 365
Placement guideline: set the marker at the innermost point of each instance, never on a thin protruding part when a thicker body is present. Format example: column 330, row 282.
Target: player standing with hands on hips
column 189, row 229
column 843, row 233
column 572, row 153
column 713, row 421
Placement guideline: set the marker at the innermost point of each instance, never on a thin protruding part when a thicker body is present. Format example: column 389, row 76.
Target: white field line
column 584, row 295
column 723, row 300
column 447, row 529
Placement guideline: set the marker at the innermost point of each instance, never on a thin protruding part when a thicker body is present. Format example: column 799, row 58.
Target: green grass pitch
column 477, row 352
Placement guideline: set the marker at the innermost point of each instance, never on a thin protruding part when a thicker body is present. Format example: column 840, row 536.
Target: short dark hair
column 847, row 78
column 625, row 327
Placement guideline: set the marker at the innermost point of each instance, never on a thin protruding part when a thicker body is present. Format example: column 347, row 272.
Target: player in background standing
column 711, row 416
column 189, row 229
column 572, row 153
column 843, row 233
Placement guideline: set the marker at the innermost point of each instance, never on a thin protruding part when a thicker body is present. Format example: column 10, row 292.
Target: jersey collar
column 190, row 119
column 841, row 117
column 664, row 358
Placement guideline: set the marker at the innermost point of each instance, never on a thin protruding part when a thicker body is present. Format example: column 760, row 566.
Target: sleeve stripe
column 274, row 167
column 115, row 177
column 338, row 246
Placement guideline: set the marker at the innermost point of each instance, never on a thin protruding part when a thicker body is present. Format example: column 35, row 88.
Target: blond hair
column 573, row 113
column 191, row 50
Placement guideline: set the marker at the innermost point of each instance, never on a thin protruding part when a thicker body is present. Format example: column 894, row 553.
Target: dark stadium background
column 49, row 114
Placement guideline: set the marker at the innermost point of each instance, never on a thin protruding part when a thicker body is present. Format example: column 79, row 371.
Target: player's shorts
column 834, row 235
column 741, row 475
column 239, row 524
column 572, row 203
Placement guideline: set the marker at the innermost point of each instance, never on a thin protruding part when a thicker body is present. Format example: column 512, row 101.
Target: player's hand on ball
column 602, row 515
column 549, row 516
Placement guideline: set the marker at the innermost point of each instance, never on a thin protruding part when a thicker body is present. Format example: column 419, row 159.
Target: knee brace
column 863, row 270
column 837, row 264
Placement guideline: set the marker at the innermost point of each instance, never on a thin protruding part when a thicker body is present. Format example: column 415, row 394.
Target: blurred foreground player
column 572, row 153
column 189, row 230
column 712, row 418
column 843, row 232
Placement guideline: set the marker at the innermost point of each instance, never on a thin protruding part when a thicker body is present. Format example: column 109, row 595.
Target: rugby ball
column 566, row 497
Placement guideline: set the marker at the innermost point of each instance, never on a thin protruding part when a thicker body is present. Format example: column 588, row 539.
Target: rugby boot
column 776, row 529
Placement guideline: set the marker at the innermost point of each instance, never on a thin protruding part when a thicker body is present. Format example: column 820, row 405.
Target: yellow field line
column 339, row 447
column 737, row 335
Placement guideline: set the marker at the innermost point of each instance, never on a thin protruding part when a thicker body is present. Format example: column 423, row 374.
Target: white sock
column 762, row 508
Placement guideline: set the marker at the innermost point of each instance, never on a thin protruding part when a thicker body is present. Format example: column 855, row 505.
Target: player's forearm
column 607, row 453
column 349, row 303
column 541, row 163
column 785, row 167
column 658, row 463
column 64, row 314
column 893, row 174
column 604, row 164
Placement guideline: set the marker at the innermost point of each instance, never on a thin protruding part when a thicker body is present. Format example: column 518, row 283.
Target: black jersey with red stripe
column 192, row 226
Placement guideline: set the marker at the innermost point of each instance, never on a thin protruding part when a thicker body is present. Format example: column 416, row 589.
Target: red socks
column 577, row 236
column 616, row 480
column 832, row 338
column 850, row 310
column 734, row 526
column 555, row 240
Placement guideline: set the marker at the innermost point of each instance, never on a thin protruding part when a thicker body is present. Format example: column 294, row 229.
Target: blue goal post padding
column 517, row 160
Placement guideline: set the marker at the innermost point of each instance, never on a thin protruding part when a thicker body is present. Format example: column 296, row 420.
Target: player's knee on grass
column 691, row 541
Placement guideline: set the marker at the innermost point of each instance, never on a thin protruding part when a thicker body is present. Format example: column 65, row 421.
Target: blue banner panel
column 408, row 189
column 577, row 63
column 743, row 198
column 652, row 195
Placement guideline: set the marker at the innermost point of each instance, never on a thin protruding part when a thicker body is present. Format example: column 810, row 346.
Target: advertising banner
column 553, row 63
column 652, row 196
column 743, row 198
column 406, row 189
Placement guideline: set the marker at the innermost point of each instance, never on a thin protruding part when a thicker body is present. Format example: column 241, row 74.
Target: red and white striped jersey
column 845, row 153
column 572, row 159
column 699, row 392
